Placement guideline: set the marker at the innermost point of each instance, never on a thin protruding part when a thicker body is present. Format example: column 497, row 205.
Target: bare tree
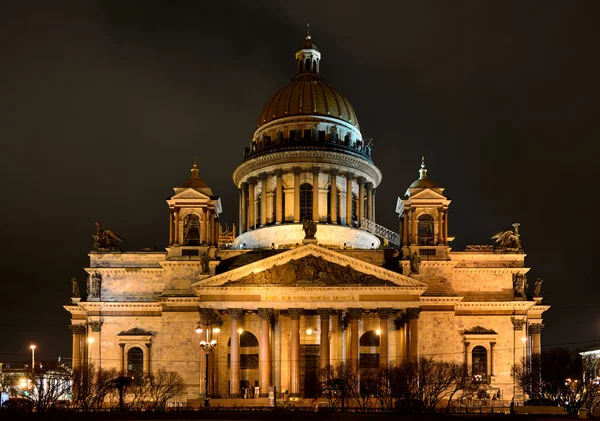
column 165, row 385
column 561, row 377
column 91, row 387
column 43, row 388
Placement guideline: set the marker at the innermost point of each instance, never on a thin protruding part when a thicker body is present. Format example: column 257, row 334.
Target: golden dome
column 308, row 94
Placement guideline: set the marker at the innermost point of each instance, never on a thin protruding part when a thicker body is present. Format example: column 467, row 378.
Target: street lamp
column 207, row 347
column 32, row 347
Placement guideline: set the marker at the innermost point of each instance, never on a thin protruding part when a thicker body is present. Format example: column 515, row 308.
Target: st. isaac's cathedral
column 310, row 279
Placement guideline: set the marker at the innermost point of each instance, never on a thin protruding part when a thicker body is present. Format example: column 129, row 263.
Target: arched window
column 191, row 230
column 369, row 349
column 248, row 351
column 425, row 230
column 135, row 364
column 307, row 65
column 306, row 201
column 479, row 364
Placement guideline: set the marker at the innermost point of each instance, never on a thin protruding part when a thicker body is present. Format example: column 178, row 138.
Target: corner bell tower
column 423, row 213
column 193, row 213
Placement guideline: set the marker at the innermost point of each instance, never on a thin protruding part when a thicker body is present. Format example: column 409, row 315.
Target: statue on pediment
column 415, row 262
column 105, row 240
column 309, row 227
column 537, row 287
column 75, row 288
column 509, row 239
column 205, row 262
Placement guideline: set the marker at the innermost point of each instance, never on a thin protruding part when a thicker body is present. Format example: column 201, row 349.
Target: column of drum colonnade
column 406, row 326
column 365, row 201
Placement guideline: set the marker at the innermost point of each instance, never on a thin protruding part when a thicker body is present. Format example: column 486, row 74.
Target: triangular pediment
column 190, row 193
column 428, row 194
column 310, row 266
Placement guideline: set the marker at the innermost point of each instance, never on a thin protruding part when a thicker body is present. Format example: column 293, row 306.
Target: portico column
column 279, row 196
column 333, row 199
column 349, row 199
column 295, row 351
column 361, row 200
column 171, row 227
column 324, row 314
column 413, row 331
column 315, row 215
column 78, row 331
column 354, row 316
column 263, row 199
column 384, row 317
column 440, row 226
column 536, row 337
column 369, row 201
column 297, row 171
column 244, row 207
column 95, row 349
column 235, row 314
column 251, row 199
column 176, row 227
column 264, row 349
column 204, row 230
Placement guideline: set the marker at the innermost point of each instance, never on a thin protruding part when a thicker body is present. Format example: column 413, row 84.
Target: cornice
column 310, row 158
column 492, row 270
column 500, row 305
column 116, row 270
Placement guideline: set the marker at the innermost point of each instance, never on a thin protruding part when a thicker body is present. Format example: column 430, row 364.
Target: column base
column 310, row 241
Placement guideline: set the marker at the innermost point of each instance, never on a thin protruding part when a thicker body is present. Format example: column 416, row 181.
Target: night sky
column 103, row 106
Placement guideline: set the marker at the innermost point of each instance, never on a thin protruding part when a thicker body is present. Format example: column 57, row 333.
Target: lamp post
column 207, row 347
column 32, row 347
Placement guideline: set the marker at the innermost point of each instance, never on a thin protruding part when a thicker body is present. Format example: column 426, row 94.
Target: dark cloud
column 104, row 105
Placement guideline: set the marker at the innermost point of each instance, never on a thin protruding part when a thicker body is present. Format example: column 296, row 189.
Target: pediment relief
column 310, row 270
column 311, row 265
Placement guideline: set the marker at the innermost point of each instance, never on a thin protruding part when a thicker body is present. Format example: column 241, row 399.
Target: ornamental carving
column 312, row 270
column 479, row 330
column 77, row 329
column 518, row 323
column 536, row 328
column 136, row 331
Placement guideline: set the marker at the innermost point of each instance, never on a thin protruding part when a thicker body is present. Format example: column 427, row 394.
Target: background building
column 283, row 301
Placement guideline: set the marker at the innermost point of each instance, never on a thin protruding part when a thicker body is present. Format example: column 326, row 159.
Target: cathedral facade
column 311, row 279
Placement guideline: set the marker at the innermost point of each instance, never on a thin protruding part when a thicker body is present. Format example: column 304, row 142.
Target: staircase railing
column 378, row 230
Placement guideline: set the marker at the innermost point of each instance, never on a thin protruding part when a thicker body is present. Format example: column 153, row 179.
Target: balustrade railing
column 378, row 230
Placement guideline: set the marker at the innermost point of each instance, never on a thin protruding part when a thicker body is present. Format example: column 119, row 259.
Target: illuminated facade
column 281, row 305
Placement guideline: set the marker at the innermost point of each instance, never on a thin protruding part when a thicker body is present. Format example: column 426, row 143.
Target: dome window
column 306, row 201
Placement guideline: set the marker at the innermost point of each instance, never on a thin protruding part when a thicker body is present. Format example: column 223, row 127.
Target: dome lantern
column 308, row 56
